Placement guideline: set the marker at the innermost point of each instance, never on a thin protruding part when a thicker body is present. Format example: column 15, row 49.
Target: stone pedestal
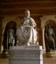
column 25, row 55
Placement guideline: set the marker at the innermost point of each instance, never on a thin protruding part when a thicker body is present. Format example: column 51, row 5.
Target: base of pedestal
column 25, row 55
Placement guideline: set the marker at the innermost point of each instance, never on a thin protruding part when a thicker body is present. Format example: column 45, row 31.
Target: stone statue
column 9, row 40
column 26, row 33
column 50, row 38
column 10, row 37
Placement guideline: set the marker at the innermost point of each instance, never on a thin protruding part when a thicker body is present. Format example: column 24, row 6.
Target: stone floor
column 51, row 60
column 46, row 60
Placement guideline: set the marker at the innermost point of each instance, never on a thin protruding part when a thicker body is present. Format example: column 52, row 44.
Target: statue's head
column 49, row 25
column 27, row 13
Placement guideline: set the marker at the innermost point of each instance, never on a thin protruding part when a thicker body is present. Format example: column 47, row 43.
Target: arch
column 12, row 25
column 52, row 22
column 53, row 25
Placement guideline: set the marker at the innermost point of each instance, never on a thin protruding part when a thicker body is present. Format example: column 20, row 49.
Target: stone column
column 0, row 33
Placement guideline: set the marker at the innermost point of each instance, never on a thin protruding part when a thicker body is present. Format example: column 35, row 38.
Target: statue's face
column 49, row 26
column 27, row 14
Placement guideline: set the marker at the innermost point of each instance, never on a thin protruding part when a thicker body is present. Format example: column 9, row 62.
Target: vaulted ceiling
column 37, row 7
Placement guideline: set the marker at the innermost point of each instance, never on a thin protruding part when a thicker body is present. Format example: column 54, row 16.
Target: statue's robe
column 26, row 35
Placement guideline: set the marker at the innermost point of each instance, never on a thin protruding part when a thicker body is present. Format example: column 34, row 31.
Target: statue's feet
column 48, row 54
column 4, row 55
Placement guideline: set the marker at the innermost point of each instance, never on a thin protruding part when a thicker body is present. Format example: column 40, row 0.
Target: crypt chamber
column 44, row 14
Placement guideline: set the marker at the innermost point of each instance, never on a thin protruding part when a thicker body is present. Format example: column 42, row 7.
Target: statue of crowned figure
column 26, row 33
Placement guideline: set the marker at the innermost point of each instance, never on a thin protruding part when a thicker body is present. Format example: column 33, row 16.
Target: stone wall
column 38, row 8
